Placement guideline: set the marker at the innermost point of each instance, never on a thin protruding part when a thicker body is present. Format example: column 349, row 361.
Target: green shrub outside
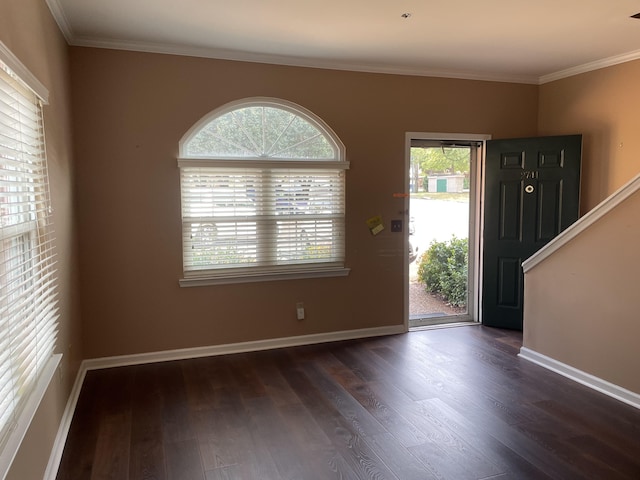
column 443, row 269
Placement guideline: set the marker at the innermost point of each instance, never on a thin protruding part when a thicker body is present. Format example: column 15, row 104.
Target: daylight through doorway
column 441, row 208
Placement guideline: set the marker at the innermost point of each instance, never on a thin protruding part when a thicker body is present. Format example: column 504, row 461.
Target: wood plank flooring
column 452, row 403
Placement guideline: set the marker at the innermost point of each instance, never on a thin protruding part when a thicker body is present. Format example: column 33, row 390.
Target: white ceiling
column 529, row 41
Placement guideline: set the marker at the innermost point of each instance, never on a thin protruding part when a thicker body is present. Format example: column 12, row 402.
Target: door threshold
column 435, row 326
column 426, row 319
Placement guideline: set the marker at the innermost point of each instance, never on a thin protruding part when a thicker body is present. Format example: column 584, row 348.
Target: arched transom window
column 263, row 195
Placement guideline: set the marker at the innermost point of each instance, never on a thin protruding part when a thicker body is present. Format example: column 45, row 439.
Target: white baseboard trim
column 591, row 381
column 65, row 423
column 125, row 360
column 255, row 346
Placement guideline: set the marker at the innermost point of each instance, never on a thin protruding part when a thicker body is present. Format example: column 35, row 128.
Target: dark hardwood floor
column 452, row 403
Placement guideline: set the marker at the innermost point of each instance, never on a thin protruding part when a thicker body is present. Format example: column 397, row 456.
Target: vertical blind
column 28, row 295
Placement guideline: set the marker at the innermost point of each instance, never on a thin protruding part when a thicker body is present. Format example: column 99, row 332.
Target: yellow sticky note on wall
column 375, row 224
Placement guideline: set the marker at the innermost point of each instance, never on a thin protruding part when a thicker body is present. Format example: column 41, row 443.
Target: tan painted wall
column 593, row 325
column 28, row 30
column 603, row 105
column 581, row 304
column 131, row 109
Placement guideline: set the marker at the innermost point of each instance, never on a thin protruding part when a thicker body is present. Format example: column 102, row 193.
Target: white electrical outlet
column 300, row 310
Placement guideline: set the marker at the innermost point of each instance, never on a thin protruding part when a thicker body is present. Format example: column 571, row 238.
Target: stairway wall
column 581, row 303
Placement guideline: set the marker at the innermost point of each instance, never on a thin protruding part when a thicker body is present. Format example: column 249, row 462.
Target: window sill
column 204, row 280
column 15, row 436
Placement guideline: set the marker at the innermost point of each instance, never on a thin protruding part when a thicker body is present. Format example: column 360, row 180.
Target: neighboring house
column 445, row 183
column 113, row 124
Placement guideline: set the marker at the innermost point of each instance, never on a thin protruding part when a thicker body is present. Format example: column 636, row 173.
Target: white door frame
column 475, row 216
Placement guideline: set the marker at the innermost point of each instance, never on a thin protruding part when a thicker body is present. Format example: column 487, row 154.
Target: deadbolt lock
column 529, row 189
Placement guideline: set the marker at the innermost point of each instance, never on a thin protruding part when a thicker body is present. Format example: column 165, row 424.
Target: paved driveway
column 433, row 220
column 437, row 220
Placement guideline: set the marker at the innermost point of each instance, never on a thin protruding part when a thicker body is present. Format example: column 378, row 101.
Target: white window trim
column 268, row 102
column 11, row 61
column 232, row 278
column 22, row 421
column 292, row 272
column 251, row 162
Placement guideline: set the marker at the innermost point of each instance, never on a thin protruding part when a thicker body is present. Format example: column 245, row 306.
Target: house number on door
column 529, row 174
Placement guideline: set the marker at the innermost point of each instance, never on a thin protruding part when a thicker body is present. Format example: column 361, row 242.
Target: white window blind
column 263, row 192
column 28, row 298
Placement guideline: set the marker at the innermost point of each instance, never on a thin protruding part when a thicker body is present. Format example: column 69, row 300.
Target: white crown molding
column 223, row 54
column 291, row 61
column 583, row 223
column 589, row 67
column 584, row 378
column 61, row 19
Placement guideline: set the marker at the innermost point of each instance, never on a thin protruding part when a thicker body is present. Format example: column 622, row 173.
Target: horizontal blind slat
column 28, row 277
